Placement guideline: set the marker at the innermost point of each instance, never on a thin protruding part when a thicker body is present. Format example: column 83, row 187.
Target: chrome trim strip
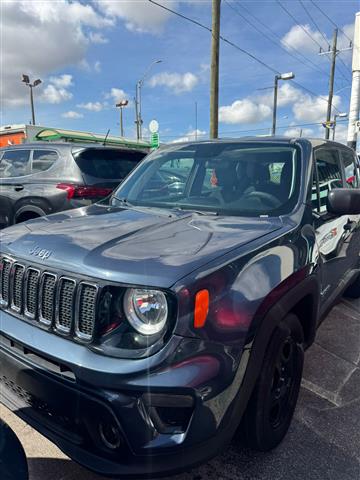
column 78, row 333
column 5, row 303
column 60, row 328
column 12, row 280
column 27, row 273
column 43, row 320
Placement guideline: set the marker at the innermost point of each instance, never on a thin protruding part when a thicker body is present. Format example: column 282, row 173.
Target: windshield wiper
column 192, row 210
column 143, row 208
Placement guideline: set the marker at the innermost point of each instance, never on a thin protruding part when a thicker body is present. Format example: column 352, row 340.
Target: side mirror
column 344, row 201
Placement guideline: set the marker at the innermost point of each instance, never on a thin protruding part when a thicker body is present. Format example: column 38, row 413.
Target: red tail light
column 79, row 191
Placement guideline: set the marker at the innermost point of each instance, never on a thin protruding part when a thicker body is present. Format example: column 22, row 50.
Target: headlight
column 146, row 310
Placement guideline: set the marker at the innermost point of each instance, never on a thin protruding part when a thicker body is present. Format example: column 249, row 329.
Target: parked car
column 40, row 178
column 140, row 333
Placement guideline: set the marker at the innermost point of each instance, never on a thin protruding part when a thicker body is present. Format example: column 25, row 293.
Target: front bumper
column 122, row 418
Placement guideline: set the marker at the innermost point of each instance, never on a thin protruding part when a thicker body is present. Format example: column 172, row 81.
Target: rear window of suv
column 107, row 163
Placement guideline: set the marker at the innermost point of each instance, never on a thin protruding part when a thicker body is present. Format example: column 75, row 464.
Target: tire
column 273, row 401
column 354, row 290
column 13, row 464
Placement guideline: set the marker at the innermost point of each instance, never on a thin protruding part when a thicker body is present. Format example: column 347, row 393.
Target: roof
column 70, row 145
column 315, row 142
column 51, row 134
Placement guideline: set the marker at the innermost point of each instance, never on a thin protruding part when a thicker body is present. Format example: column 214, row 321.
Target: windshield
column 107, row 163
column 229, row 179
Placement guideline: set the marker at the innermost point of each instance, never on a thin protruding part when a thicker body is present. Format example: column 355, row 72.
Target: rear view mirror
column 344, row 201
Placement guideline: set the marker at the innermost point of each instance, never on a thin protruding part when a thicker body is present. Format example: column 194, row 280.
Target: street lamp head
column 342, row 115
column 287, row 76
column 122, row 103
column 25, row 79
column 37, row 82
column 158, row 61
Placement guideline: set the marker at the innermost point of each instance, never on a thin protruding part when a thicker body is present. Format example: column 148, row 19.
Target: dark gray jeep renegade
column 140, row 333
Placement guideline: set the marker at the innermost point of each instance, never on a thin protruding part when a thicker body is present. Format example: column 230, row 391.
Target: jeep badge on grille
column 40, row 252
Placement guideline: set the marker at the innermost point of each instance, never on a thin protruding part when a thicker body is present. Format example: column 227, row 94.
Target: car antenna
column 106, row 136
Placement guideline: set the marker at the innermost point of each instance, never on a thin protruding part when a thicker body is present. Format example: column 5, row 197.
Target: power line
column 313, row 21
column 331, row 21
column 321, row 33
column 263, row 129
column 298, row 24
column 225, row 40
column 221, row 37
column 282, row 41
column 314, row 66
column 304, row 30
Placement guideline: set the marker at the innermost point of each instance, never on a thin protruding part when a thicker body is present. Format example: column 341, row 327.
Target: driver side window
column 169, row 180
column 327, row 176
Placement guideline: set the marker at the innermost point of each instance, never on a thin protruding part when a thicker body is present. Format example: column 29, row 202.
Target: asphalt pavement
column 323, row 442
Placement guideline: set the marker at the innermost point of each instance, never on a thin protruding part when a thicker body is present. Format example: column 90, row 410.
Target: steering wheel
column 264, row 197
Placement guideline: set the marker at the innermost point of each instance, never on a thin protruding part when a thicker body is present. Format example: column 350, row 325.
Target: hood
column 143, row 247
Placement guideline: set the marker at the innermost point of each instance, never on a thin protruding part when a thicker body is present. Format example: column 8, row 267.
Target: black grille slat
column 31, row 293
column 86, row 311
column 17, row 293
column 47, row 304
column 62, row 304
column 66, row 304
column 5, row 280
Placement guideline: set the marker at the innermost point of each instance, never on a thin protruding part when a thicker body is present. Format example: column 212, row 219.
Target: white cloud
column 297, row 38
column 190, row 136
column 62, row 81
column 313, row 109
column 341, row 131
column 116, row 94
column 297, row 131
column 71, row 114
column 92, row 106
column 56, row 90
column 97, row 67
column 96, row 37
column 139, row 15
column 42, row 37
column 257, row 108
column 244, row 111
column 178, row 83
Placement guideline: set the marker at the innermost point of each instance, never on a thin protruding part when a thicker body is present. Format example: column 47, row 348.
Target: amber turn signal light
column 201, row 308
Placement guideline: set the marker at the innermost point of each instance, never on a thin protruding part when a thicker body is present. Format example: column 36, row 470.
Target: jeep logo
column 40, row 252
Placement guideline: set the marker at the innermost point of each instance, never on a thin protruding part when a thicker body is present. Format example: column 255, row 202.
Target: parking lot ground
column 323, row 442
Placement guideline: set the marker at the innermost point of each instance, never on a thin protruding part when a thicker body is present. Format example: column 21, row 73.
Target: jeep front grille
column 59, row 303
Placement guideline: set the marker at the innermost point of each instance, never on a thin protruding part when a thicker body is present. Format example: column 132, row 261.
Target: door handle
column 18, row 188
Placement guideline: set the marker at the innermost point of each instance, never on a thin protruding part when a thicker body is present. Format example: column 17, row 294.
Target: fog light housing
column 110, row 435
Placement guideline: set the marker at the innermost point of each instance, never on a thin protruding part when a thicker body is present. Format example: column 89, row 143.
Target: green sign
column 154, row 140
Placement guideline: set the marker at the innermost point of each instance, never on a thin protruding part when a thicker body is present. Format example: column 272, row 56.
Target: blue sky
column 90, row 54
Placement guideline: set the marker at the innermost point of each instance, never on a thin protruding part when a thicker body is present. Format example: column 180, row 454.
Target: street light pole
column 337, row 115
column 32, row 104
column 121, row 105
column 27, row 82
column 276, row 83
column 281, row 76
column 138, row 113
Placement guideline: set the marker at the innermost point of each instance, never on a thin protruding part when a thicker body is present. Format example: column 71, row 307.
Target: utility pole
column 331, row 83
column 214, row 81
column 334, row 52
column 355, row 88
